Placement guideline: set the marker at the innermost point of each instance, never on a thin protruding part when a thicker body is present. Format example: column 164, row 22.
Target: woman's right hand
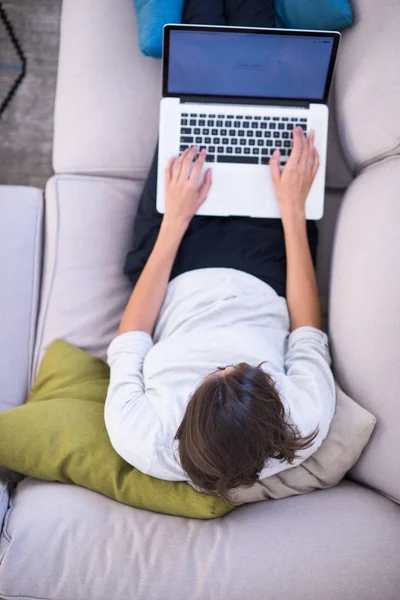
column 293, row 183
column 185, row 190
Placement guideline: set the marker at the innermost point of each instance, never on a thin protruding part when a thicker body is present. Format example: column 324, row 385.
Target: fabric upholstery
column 3, row 504
column 343, row 542
column 326, row 229
column 108, row 93
column 21, row 228
column 152, row 15
column 60, row 435
column 338, row 173
column 308, row 14
column 365, row 315
column 89, row 225
column 367, row 83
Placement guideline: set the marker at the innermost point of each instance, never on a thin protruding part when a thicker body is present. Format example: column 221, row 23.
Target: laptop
column 239, row 93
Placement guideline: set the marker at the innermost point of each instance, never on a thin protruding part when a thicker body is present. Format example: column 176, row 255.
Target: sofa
column 61, row 277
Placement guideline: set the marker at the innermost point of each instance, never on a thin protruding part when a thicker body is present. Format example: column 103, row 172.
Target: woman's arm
column 146, row 300
column 183, row 199
column 301, row 283
column 292, row 186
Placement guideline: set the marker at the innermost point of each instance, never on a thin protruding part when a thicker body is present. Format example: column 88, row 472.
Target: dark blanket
column 245, row 13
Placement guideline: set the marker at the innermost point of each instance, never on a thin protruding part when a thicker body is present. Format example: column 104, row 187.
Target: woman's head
column 234, row 423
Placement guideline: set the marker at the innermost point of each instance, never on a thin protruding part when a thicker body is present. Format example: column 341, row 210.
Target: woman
column 216, row 378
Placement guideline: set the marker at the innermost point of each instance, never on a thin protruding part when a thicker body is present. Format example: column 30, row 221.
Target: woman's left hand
column 184, row 195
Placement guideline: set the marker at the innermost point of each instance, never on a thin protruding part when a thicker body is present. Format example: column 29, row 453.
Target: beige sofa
column 62, row 277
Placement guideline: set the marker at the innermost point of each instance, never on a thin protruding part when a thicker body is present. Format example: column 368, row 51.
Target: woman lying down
column 220, row 374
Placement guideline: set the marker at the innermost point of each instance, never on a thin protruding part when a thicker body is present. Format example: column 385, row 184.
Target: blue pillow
column 152, row 15
column 313, row 14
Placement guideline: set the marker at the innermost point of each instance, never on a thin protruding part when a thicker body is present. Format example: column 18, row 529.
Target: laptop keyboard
column 230, row 138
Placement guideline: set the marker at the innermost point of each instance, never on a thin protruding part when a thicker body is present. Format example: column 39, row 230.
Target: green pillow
column 59, row 435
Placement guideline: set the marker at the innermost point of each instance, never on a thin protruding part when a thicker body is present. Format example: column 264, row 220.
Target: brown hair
column 233, row 424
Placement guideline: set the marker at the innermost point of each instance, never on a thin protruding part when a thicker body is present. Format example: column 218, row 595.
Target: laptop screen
column 249, row 65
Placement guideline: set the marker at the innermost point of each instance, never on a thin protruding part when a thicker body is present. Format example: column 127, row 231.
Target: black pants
column 244, row 13
column 256, row 246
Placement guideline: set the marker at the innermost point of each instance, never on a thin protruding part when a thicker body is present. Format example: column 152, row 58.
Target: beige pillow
column 350, row 431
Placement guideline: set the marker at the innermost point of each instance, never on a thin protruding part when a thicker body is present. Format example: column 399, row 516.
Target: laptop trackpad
column 241, row 191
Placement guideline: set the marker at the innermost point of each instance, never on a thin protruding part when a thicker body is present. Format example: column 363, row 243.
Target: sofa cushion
column 152, row 15
column 365, row 315
column 108, row 93
column 60, row 435
column 308, row 14
column 107, row 102
column 339, row 542
column 349, row 433
column 89, row 225
column 21, row 227
column 367, row 83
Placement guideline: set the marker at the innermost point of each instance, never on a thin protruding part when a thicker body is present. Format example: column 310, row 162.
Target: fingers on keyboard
column 239, row 139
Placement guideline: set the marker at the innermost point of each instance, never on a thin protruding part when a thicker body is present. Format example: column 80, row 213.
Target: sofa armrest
column 21, row 222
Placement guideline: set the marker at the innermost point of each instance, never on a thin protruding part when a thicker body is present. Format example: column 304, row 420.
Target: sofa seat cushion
column 368, row 85
column 21, row 230
column 89, row 223
column 343, row 542
column 365, row 315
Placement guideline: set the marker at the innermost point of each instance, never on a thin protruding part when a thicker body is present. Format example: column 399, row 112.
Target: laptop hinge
column 282, row 103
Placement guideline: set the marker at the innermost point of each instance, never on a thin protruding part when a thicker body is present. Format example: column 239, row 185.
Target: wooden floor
column 26, row 127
